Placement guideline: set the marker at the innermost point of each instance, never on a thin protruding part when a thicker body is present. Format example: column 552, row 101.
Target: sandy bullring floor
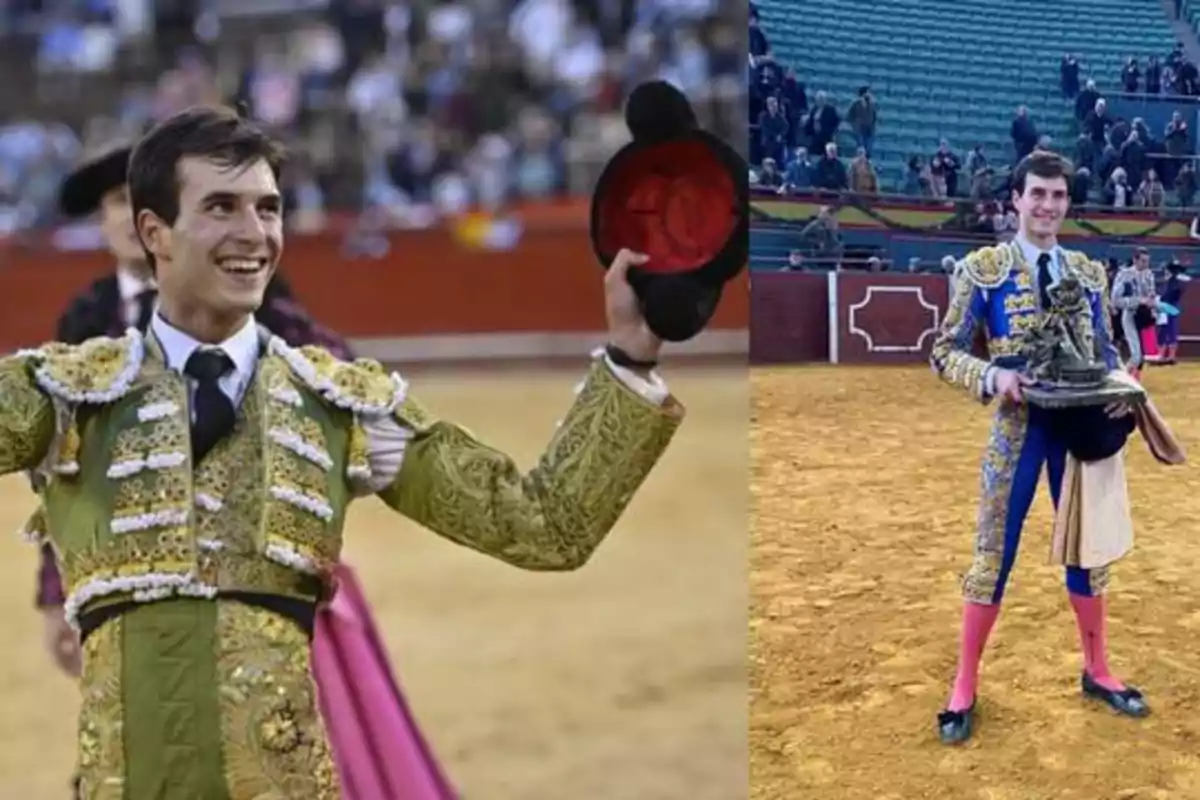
column 625, row 680
column 865, row 488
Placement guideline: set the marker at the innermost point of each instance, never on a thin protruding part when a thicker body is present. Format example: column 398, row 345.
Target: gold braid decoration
column 27, row 418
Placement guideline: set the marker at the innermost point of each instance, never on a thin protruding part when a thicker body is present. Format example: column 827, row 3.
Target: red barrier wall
column 789, row 317
column 889, row 319
column 881, row 318
column 430, row 283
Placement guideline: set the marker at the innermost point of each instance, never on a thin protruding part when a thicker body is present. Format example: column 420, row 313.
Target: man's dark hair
column 1041, row 164
column 214, row 133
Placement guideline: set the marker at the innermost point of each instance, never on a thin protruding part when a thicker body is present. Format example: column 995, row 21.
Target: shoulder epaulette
column 98, row 372
column 1092, row 274
column 988, row 267
column 362, row 386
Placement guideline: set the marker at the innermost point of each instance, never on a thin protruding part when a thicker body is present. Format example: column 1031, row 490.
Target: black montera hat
column 103, row 171
column 678, row 194
column 1089, row 433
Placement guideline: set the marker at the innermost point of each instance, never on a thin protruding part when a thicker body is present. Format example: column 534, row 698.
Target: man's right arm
column 27, row 421
column 951, row 356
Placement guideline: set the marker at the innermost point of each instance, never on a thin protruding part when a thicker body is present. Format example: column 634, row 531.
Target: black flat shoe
column 1129, row 701
column 954, row 727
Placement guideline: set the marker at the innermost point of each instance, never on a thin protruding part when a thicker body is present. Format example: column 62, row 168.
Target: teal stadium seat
column 930, row 85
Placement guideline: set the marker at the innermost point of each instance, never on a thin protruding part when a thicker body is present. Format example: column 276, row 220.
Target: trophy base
column 1114, row 388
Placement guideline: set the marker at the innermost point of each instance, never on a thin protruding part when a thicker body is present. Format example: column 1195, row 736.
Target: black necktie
column 215, row 414
column 1044, row 279
column 145, row 308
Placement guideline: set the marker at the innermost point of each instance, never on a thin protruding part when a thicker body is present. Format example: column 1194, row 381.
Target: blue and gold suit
column 995, row 289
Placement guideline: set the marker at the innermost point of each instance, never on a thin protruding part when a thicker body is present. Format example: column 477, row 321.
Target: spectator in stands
column 1186, row 78
column 1044, row 143
column 1117, row 193
column 799, row 173
column 773, row 131
column 1176, row 140
column 769, row 176
column 825, row 240
column 1086, row 101
column 1108, row 160
column 944, row 167
column 821, row 124
column 1169, row 80
column 830, row 172
column 1130, row 75
column 918, row 180
column 1133, row 158
column 1085, row 151
column 981, row 190
column 863, row 116
column 758, row 39
column 1068, row 72
column 1154, row 76
column 1005, row 223
column 1118, row 134
column 1024, row 133
column 863, row 179
column 1150, row 193
column 1081, row 186
column 1098, row 122
column 795, row 261
column 795, row 105
column 976, row 161
column 1185, row 184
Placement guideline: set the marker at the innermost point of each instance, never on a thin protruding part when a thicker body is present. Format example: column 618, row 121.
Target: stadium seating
column 959, row 68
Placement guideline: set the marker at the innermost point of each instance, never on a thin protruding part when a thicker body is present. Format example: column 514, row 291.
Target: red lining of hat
column 675, row 202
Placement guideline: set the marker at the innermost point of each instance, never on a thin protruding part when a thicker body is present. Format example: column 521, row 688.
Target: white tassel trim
column 296, row 443
column 155, row 519
column 123, row 469
column 358, row 472
column 208, row 502
column 118, row 389
column 287, row 395
column 210, row 545
column 29, row 535
column 289, row 557
column 313, row 505
column 156, row 411
column 67, row 468
column 144, row 588
column 330, row 391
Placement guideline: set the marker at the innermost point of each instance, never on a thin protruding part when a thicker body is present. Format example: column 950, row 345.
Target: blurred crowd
column 401, row 112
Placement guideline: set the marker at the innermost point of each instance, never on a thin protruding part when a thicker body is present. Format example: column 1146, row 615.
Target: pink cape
column 379, row 750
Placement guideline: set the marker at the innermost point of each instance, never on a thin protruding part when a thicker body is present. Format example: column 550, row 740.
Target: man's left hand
column 626, row 326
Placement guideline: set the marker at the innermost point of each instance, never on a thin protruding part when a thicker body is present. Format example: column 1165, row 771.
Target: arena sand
column 624, row 680
column 865, row 483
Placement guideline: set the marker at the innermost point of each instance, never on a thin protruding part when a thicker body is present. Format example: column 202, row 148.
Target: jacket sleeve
column 27, row 418
column 554, row 516
column 951, row 357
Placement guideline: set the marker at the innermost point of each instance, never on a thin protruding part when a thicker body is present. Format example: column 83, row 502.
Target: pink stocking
column 1089, row 614
column 977, row 622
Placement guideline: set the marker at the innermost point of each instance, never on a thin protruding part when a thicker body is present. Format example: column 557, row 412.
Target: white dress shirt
column 1032, row 253
column 130, row 285
column 242, row 348
column 386, row 437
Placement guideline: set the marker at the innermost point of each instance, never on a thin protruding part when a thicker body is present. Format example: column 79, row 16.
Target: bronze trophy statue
column 1064, row 358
